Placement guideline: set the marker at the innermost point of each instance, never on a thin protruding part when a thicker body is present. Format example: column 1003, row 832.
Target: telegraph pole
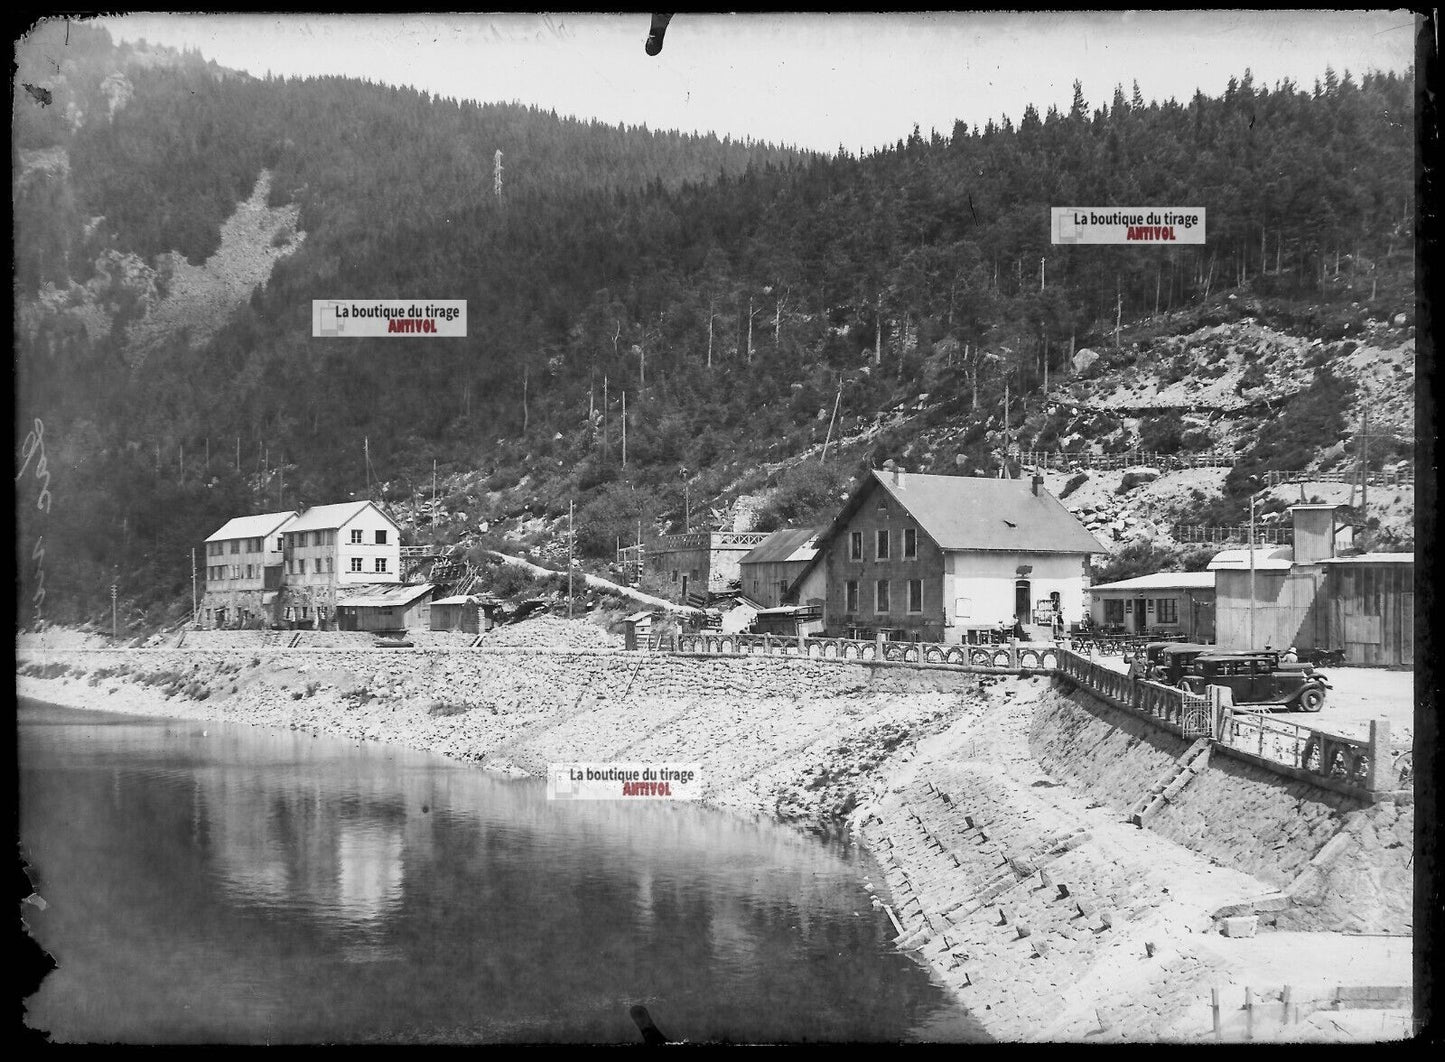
column 570, row 540
column 112, row 613
column 1252, row 645
column 193, row 585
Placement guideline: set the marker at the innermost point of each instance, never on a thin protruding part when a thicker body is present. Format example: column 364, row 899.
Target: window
column 1168, row 610
column 356, row 538
column 880, row 597
column 674, row 575
column 318, row 565
column 280, row 542
column 356, row 564
column 962, row 607
column 235, row 545
column 329, row 566
column 381, row 564
column 855, row 545
column 1151, row 604
column 330, row 538
column 381, row 538
column 851, row 604
column 1113, row 610
column 883, row 544
column 915, row 595
column 910, row 542
column 250, row 570
column 235, row 571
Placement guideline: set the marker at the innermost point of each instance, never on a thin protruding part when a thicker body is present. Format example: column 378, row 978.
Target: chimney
column 1038, row 482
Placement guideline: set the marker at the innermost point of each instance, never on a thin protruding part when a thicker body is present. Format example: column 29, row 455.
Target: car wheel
column 1312, row 700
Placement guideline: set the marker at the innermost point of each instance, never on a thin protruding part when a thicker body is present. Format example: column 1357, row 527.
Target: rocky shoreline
column 932, row 768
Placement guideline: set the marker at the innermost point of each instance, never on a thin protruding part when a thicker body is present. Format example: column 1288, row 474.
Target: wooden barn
column 770, row 568
column 464, row 612
column 394, row 608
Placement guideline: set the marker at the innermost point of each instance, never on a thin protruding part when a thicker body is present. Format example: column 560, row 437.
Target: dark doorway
column 1140, row 622
column 1022, row 612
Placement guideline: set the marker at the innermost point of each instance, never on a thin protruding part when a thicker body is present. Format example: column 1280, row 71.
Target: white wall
column 369, row 521
column 987, row 580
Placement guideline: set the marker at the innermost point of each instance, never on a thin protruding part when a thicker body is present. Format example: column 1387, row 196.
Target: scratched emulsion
column 214, row 883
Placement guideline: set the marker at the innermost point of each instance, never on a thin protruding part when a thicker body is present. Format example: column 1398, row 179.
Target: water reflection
column 218, row 883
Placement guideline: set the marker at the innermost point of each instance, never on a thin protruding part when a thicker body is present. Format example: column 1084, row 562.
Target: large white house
column 295, row 566
column 937, row 557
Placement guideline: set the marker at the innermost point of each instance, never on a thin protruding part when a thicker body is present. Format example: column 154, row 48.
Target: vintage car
column 1165, row 661
column 1258, row 678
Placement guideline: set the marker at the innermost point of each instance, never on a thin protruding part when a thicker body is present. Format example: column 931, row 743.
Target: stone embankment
column 993, row 804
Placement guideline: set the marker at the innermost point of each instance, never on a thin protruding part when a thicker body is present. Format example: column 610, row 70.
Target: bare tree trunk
column 749, row 330
column 1118, row 315
column 524, row 400
column 878, row 334
column 710, row 316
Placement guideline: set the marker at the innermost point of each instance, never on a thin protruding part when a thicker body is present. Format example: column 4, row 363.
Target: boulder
column 1400, row 320
column 1084, row 361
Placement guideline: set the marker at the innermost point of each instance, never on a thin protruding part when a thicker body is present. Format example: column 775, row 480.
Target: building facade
column 940, row 558
column 333, row 548
column 1319, row 594
column 243, row 570
column 767, row 572
column 703, row 561
column 1163, row 603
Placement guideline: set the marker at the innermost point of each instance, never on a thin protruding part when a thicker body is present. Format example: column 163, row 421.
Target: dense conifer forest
column 731, row 290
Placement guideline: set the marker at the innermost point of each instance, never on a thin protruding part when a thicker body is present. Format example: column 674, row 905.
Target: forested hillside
column 750, row 301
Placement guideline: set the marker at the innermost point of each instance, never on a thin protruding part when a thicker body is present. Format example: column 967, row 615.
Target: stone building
column 940, row 558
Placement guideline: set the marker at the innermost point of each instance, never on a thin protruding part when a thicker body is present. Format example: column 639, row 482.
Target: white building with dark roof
column 939, row 558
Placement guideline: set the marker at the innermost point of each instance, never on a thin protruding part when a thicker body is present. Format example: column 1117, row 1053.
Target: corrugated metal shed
column 395, row 597
column 263, row 525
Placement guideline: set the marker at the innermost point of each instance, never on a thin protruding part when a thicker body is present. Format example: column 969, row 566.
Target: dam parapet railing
column 1358, row 767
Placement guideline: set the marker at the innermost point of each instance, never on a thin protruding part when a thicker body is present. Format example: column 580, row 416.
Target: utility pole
column 624, row 429
column 497, row 174
column 113, row 628
column 570, row 539
column 433, row 491
column 1252, row 644
column 193, row 585
column 1041, row 274
column 1364, row 473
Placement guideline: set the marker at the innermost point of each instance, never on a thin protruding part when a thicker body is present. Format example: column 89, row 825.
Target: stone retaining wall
column 1244, row 816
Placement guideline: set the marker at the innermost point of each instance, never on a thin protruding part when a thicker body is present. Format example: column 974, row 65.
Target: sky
column 816, row 81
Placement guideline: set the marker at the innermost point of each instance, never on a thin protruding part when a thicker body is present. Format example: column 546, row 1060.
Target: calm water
column 214, row 883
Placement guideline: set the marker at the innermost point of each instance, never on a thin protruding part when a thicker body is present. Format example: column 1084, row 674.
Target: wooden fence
column 1266, row 535
column 1062, row 462
column 1393, row 477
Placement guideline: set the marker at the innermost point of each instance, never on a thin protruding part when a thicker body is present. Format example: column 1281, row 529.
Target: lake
column 217, row 883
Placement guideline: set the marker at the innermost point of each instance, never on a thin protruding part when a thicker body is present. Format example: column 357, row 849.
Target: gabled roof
column 260, row 526
column 787, row 544
column 391, row 597
column 970, row 513
column 973, row 513
column 1162, row 581
column 331, row 517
